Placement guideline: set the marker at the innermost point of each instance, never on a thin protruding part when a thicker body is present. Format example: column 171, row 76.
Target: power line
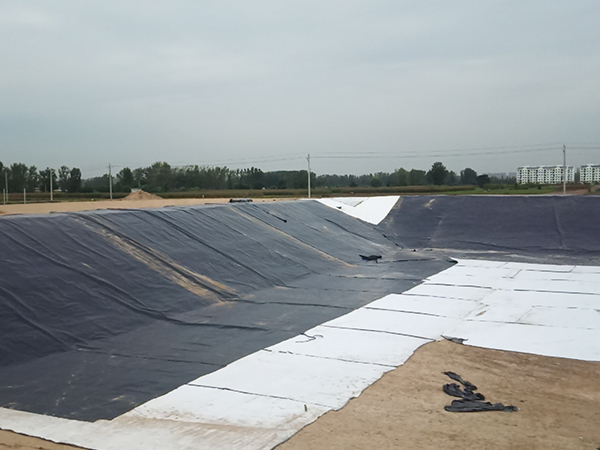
column 236, row 162
column 375, row 155
column 450, row 152
column 545, row 146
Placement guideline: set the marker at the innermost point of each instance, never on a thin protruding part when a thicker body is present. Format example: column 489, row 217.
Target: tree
column 400, row 177
column 74, row 183
column 252, row 178
column 503, row 180
column 44, row 180
column 96, row 184
column 468, row 176
column 2, row 170
column 159, row 176
column 63, row 178
column 417, row 177
column 451, row 179
column 300, row 179
column 376, row 182
column 437, row 174
column 33, row 179
column 216, row 177
column 17, row 177
column 256, row 178
column 483, row 180
column 69, row 180
column 139, row 177
column 125, row 179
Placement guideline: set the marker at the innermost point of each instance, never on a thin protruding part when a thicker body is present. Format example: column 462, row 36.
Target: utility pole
column 6, row 186
column 308, row 159
column 564, row 170
column 24, row 196
column 51, row 187
column 110, row 181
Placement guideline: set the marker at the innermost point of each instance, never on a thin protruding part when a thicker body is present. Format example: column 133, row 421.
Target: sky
column 361, row 86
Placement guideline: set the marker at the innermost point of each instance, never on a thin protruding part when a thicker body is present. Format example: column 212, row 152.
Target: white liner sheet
column 369, row 209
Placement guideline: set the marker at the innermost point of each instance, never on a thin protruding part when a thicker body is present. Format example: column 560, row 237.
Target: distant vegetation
column 18, row 176
column 193, row 181
column 161, row 178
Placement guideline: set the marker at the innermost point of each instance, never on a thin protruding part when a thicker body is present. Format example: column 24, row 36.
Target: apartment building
column 590, row 173
column 544, row 174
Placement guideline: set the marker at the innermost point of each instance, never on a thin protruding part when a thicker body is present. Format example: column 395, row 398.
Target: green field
column 40, row 197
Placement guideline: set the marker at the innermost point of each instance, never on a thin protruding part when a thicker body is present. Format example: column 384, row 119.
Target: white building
column 590, row 173
column 544, row 174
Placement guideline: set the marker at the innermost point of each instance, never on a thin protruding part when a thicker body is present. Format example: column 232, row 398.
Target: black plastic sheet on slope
column 102, row 311
column 522, row 225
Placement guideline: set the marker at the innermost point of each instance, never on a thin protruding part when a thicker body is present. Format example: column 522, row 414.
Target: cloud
column 85, row 84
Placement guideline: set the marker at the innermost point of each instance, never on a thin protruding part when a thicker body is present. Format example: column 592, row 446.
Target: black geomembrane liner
column 102, row 311
column 524, row 225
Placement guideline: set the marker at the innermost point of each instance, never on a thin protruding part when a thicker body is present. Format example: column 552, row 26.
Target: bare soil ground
column 14, row 441
column 558, row 401
column 46, row 208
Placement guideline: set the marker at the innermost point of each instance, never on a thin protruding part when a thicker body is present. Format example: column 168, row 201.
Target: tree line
column 19, row 176
column 162, row 177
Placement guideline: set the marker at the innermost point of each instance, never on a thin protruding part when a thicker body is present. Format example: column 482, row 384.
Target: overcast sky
column 361, row 86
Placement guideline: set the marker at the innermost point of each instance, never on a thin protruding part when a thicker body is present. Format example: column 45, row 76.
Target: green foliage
column 159, row 177
column 437, row 174
column 451, row 179
column 96, row 184
column 468, row 176
column 399, row 178
column 482, row 180
column 503, row 180
column 69, row 180
column 33, row 179
column 417, row 177
column 63, row 178
column 125, row 180
column 74, row 181
column 17, row 177
column 44, row 180
column 162, row 178
column 376, row 182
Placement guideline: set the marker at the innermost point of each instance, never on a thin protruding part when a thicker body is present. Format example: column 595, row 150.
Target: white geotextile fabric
column 261, row 400
column 370, row 209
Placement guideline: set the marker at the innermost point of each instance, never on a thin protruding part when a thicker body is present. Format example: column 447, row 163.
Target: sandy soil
column 14, row 441
column 46, row 208
column 558, row 401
